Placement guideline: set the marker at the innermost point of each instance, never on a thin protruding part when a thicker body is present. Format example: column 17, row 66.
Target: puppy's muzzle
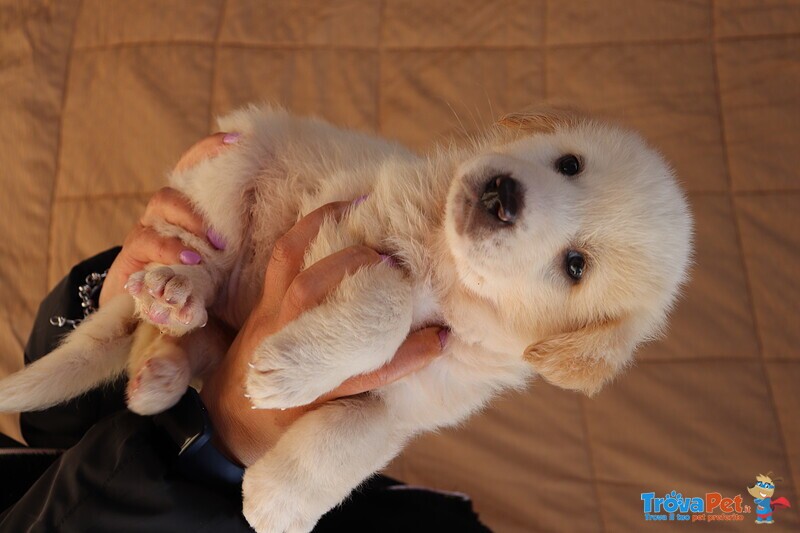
column 501, row 198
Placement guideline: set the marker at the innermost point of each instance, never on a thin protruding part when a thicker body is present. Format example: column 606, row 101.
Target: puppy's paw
column 164, row 298
column 280, row 388
column 159, row 384
column 272, row 507
column 280, row 376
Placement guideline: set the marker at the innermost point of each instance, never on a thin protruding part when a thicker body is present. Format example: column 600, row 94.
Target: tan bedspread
column 98, row 98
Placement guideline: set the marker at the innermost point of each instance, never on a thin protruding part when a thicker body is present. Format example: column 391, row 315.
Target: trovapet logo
column 714, row 507
column 707, row 508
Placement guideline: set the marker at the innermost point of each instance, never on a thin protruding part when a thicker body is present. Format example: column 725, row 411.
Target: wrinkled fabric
column 98, row 98
column 94, row 466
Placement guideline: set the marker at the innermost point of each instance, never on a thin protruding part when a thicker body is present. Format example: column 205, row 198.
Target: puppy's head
column 576, row 235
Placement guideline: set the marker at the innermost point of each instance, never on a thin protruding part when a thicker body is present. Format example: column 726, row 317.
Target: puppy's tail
column 94, row 353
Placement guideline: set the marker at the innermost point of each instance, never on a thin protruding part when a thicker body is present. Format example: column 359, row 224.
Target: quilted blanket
column 98, row 98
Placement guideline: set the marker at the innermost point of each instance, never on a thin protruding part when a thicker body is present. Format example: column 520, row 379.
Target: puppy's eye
column 569, row 165
column 575, row 264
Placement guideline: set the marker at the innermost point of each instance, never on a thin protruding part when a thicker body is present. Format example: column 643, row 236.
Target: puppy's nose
column 501, row 198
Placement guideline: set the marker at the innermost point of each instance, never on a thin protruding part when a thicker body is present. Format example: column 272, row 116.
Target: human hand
column 245, row 434
column 144, row 245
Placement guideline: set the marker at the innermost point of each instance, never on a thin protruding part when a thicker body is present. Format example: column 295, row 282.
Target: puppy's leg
column 318, row 462
column 92, row 354
column 173, row 298
column 161, row 366
column 356, row 330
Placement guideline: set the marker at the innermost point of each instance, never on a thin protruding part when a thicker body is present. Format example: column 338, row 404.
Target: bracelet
column 188, row 427
column 88, row 293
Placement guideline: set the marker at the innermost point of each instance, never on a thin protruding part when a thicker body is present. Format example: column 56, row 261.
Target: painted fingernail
column 189, row 257
column 444, row 334
column 215, row 239
column 231, row 138
column 389, row 260
column 360, row 199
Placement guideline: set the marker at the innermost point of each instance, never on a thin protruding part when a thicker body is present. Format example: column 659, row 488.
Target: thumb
column 205, row 149
column 416, row 352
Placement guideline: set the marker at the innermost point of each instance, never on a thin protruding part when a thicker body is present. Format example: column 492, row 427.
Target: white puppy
column 552, row 245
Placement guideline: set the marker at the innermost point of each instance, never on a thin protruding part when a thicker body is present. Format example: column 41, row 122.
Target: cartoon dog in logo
column 762, row 492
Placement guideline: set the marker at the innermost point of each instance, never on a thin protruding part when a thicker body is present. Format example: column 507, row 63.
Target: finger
column 313, row 284
column 289, row 251
column 418, row 350
column 174, row 208
column 205, row 149
column 146, row 246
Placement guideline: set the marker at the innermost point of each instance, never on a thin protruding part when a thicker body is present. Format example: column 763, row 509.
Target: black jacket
column 92, row 465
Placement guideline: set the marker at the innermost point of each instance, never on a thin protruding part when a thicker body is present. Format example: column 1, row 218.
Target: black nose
column 501, row 198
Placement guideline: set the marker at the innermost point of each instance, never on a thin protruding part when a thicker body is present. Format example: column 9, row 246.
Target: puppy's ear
column 542, row 120
column 586, row 359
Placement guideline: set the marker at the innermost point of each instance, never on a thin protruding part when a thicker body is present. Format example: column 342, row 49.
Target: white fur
column 512, row 311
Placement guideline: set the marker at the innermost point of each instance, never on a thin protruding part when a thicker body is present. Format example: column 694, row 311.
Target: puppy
column 553, row 245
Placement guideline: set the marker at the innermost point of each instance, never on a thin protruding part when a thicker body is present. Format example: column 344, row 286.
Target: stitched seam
column 433, row 48
column 59, row 146
column 136, row 194
column 592, row 467
column 379, row 73
column 214, row 61
column 740, row 242
column 545, row 48
column 709, row 359
column 746, row 192
column 105, row 196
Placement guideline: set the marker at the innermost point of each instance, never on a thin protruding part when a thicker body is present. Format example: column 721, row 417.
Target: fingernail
column 389, row 260
column 231, row 138
column 250, row 364
column 215, row 239
column 189, row 257
column 444, row 334
column 360, row 199
column 247, row 395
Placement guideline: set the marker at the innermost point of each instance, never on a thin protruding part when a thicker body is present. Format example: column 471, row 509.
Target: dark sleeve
column 122, row 476
column 63, row 425
column 121, row 471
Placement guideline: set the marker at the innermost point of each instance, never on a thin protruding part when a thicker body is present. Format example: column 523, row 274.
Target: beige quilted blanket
column 99, row 97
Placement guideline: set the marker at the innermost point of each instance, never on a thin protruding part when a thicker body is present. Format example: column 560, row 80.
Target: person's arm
column 127, row 474
column 63, row 425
